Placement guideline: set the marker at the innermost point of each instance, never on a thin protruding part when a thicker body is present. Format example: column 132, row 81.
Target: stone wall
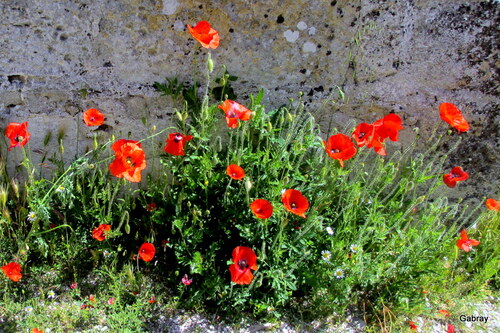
column 58, row 58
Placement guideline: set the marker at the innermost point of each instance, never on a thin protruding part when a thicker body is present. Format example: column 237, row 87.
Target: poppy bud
column 248, row 185
column 61, row 147
column 210, row 63
column 15, row 187
column 420, row 199
column 289, row 117
column 113, row 138
column 409, row 186
column 179, row 116
column 218, row 144
column 153, row 128
column 269, row 126
column 3, row 197
column 95, row 142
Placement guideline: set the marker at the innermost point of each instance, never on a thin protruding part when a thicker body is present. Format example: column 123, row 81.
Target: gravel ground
column 185, row 322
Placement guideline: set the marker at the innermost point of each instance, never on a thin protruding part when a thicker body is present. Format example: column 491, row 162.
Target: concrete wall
column 405, row 56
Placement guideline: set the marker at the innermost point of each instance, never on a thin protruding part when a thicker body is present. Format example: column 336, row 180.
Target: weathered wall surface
column 405, row 56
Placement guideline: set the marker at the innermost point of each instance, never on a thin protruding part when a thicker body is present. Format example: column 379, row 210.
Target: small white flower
column 31, row 216
column 339, row 273
column 106, row 253
column 28, row 309
column 51, row 294
column 326, row 255
column 354, row 248
column 270, row 309
column 60, row 189
column 329, row 230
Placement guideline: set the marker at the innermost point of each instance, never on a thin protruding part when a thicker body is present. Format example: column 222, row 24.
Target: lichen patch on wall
column 291, row 36
column 169, row 7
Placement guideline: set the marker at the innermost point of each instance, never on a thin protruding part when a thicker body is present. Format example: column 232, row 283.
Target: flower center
column 92, row 119
column 361, row 135
column 19, row 138
column 243, row 263
column 130, row 161
column 178, row 138
column 232, row 114
column 334, row 151
column 455, row 175
column 293, row 205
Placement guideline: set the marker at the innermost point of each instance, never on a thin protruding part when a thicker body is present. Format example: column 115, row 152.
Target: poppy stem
column 454, row 263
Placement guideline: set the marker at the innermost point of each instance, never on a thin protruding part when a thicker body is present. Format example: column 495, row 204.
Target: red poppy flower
column 295, row 202
column 101, row 232
column 244, row 259
column 36, row 330
column 91, row 298
column 73, row 285
column 151, row 206
column 93, row 117
column 457, row 174
column 445, row 313
column 388, row 127
column 234, row 111
column 186, row 281
column 465, row 243
column 413, row 326
column 175, row 143
column 205, row 34
column 13, row 271
column 450, row 328
column 262, row 208
column 147, row 251
column 18, row 134
column 235, row 172
column 363, row 134
column 492, row 204
column 152, row 300
column 452, row 115
column 111, row 300
column 340, row 147
column 373, row 135
column 129, row 161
